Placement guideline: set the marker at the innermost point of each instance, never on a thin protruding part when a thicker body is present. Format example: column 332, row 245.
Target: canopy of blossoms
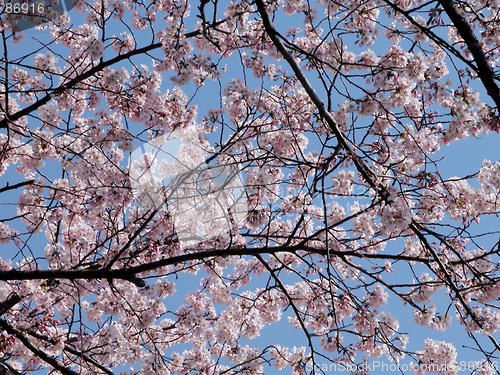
column 180, row 180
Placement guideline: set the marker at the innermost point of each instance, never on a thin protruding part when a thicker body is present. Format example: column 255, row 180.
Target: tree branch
column 89, row 73
column 484, row 69
column 332, row 124
column 38, row 352
column 72, row 351
column 9, row 303
column 129, row 274
column 12, row 187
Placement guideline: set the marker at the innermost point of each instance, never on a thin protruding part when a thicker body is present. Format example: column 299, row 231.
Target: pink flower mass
column 307, row 216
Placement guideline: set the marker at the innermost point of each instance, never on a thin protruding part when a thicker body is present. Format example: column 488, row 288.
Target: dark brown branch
column 484, row 69
column 73, row 82
column 89, row 73
column 9, row 303
column 12, row 187
column 32, row 348
column 6, row 369
column 130, row 273
column 72, row 351
column 332, row 124
column 431, row 35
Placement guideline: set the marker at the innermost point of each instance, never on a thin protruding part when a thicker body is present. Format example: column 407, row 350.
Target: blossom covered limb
column 36, row 351
column 484, row 69
column 130, row 273
column 271, row 31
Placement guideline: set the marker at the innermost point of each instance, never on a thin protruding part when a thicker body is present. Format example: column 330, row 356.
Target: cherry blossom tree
column 328, row 116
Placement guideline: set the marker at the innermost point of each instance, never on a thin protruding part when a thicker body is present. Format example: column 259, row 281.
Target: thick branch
column 38, row 352
column 72, row 351
column 12, row 187
column 484, row 69
column 73, row 82
column 130, row 273
column 9, row 303
column 332, row 124
column 5, row 369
